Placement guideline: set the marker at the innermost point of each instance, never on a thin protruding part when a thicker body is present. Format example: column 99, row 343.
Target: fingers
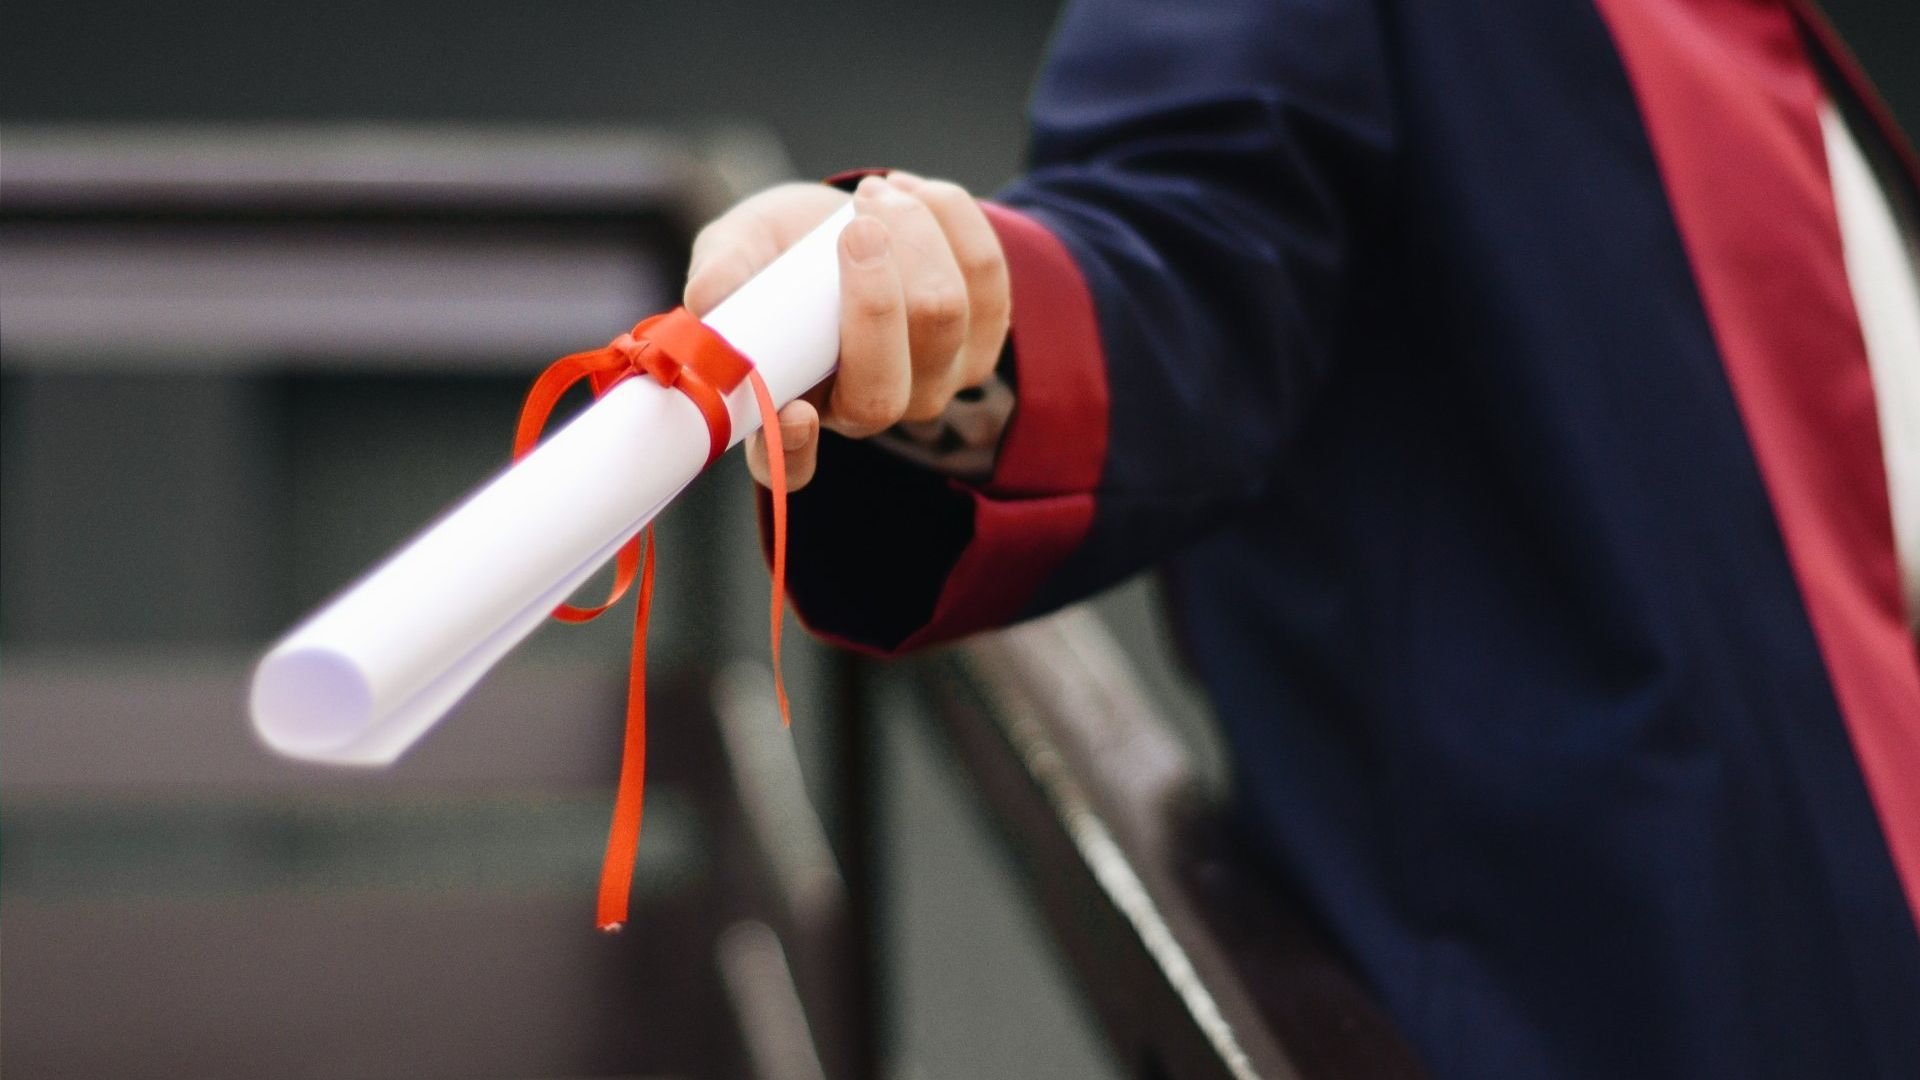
column 871, row 390
column 983, row 267
column 741, row 242
column 799, row 437
column 925, row 301
column 935, row 292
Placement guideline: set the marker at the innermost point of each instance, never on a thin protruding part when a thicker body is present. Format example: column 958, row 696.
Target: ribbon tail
column 777, row 473
column 623, row 838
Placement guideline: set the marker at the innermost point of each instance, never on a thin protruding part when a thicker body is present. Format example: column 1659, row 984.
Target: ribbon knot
column 634, row 351
column 681, row 353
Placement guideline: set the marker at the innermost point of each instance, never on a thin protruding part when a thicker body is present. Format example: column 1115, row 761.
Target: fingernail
column 794, row 434
column 871, row 187
column 905, row 181
column 867, row 241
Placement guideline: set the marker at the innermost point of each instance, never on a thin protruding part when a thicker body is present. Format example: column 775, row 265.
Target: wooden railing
column 1193, row 959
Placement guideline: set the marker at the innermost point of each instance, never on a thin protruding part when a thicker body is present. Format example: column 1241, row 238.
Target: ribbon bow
column 682, row 353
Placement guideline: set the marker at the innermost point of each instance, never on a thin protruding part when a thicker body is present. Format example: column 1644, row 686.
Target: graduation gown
column 1485, row 381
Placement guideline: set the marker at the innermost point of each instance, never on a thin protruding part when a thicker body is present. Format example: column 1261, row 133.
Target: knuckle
column 870, row 411
column 711, row 233
column 994, row 309
column 945, row 194
column 720, row 270
column 980, row 364
column 940, row 308
column 984, row 266
column 702, row 243
column 875, row 304
column 905, row 206
column 927, row 406
column 700, row 295
column 724, row 232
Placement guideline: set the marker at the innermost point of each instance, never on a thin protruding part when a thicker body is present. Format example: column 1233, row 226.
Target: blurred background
column 272, row 280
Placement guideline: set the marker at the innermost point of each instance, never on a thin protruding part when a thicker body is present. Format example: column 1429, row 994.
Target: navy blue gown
column 1484, row 379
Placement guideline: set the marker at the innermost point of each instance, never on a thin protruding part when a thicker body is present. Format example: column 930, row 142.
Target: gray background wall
column 937, row 86
column 843, row 83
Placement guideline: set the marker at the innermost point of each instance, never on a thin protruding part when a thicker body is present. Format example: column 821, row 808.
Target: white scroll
column 367, row 675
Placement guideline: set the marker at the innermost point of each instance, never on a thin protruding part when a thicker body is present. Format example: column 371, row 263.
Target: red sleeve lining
column 1040, row 503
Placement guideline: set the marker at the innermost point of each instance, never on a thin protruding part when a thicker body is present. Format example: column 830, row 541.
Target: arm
column 1175, row 262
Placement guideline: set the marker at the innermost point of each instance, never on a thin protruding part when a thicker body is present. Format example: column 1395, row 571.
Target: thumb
column 799, row 437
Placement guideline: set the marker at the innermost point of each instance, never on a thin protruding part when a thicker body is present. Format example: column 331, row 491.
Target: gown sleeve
column 1177, row 252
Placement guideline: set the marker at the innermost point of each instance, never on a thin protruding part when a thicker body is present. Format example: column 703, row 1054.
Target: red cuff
column 954, row 557
column 1057, row 441
column 1039, row 505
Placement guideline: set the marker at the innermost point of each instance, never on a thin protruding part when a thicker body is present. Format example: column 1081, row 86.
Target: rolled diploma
column 367, row 675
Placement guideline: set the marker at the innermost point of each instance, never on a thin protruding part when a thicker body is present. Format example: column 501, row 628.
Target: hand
column 923, row 310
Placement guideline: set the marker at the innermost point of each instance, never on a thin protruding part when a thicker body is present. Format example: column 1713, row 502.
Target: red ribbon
column 681, row 353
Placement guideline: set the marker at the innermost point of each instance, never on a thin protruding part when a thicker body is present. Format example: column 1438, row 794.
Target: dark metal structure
column 1193, row 960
